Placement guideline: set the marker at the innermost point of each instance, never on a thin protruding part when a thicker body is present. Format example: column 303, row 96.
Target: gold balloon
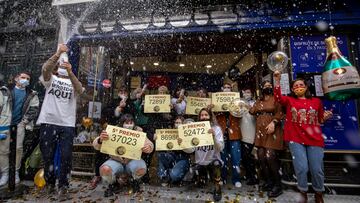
column 87, row 122
column 279, row 57
column 277, row 61
column 39, row 179
column 238, row 107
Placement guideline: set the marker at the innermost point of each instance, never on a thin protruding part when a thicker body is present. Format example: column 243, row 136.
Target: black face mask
column 267, row 91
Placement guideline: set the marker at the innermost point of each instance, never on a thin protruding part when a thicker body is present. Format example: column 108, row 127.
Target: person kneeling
column 207, row 158
column 117, row 166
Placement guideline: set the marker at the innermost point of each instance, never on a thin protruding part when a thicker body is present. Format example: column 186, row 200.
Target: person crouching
column 118, row 166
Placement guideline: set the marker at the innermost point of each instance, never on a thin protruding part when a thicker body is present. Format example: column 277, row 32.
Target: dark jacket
column 30, row 108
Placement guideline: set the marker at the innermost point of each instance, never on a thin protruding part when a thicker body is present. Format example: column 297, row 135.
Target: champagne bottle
column 64, row 58
column 340, row 78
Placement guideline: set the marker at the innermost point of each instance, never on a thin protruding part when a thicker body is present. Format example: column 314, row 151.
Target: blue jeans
column 130, row 168
column 231, row 151
column 305, row 158
column 173, row 166
column 50, row 137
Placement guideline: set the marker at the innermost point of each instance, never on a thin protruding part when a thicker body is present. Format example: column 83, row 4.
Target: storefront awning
column 68, row 2
column 215, row 24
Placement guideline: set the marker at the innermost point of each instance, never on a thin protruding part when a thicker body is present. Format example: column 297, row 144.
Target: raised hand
column 104, row 136
column 277, row 76
column 61, row 49
column 327, row 115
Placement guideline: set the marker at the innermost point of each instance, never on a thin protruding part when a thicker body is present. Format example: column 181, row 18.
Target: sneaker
column 238, row 185
column 4, row 179
column 275, row 192
column 111, row 190
column 63, row 194
column 165, row 181
column 94, row 182
column 217, row 194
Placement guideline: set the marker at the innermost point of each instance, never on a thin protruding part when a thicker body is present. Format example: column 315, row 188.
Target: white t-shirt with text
column 59, row 106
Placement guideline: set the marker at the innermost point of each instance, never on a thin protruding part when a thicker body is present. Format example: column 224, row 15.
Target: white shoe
column 17, row 178
column 238, row 185
column 4, row 179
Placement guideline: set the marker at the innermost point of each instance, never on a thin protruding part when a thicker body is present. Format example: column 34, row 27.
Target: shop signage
column 308, row 54
column 94, row 110
column 106, row 83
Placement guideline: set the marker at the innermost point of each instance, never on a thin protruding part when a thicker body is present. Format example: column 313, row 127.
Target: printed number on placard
column 197, row 131
column 196, row 104
column 124, row 140
column 224, row 99
column 168, row 137
column 157, row 101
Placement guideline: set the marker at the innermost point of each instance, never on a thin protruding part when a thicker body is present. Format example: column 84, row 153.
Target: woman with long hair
column 302, row 130
column 208, row 158
column 268, row 138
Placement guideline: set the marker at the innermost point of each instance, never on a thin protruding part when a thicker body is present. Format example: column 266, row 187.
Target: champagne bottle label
column 63, row 58
column 340, row 78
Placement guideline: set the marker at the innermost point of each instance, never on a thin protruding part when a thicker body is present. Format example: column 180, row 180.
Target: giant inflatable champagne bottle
column 340, row 79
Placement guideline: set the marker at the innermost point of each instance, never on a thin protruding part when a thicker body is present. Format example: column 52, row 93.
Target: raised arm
column 283, row 100
column 50, row 64
column 76, row 83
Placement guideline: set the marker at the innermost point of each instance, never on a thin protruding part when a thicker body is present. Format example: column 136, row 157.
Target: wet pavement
column 79, row 192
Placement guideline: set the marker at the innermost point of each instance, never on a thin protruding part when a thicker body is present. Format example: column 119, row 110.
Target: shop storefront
column 204, row 44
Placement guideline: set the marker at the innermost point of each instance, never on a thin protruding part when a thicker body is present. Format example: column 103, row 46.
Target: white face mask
column 62, row 72
column 176, row 125
column 227, row 90
column 129, row 126
column 247, row 96
column 122, row 96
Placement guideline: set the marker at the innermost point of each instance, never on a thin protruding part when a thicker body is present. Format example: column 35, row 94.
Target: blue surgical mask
column 24, row 82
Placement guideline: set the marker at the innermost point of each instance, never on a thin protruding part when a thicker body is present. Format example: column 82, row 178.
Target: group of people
column 273, row 122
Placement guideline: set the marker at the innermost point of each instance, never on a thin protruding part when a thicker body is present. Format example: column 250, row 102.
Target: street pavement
column 79, row 192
